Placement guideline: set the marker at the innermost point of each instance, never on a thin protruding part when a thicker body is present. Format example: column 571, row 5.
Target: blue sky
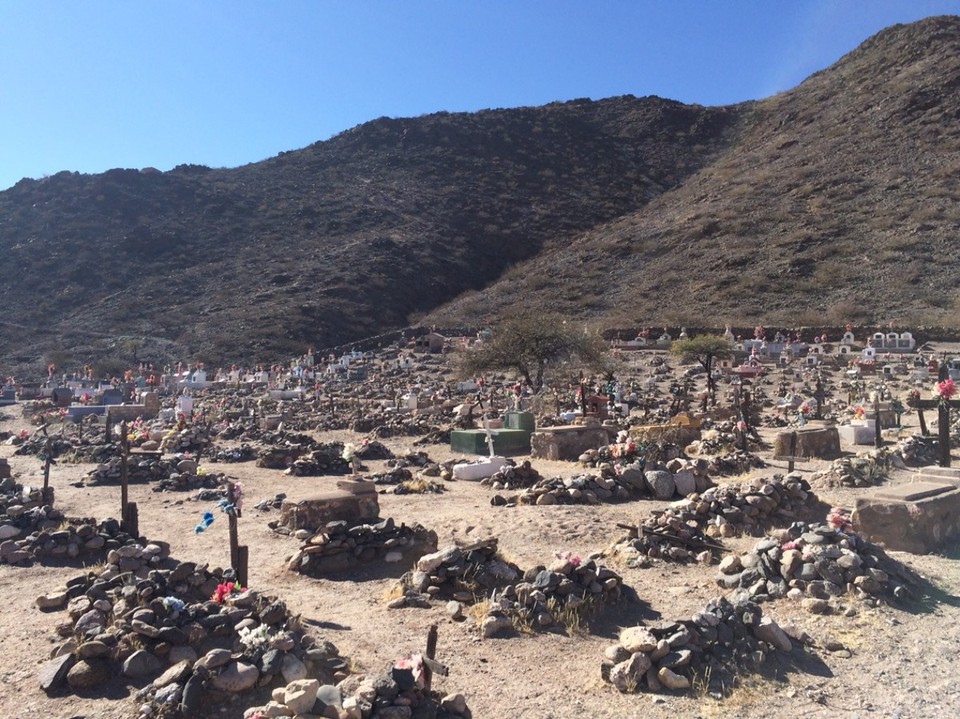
column 88, row 86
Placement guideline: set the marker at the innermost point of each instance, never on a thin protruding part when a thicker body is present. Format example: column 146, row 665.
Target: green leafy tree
column 530, row 342
column 703, row 349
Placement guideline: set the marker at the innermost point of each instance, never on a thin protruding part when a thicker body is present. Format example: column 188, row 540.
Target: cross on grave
column 820, row 396
column 943, row 408
column 239, row 554
column 129, row 519
column 792, row 457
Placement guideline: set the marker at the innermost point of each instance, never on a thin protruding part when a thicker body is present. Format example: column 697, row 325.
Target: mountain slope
column 340, row 240
column 839, row 201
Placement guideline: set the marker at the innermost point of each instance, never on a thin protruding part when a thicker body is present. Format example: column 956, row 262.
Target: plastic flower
column 225, row 590
column 946, row 389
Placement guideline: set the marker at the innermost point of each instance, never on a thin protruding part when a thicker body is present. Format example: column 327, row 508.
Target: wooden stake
column 429, row 655
column 124, row 476
column 943, row 417
column 877, row 439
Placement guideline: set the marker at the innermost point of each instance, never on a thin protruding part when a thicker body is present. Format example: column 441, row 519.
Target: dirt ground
column 893, row 662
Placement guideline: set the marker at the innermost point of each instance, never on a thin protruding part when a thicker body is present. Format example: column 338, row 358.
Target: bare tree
column 528, row 342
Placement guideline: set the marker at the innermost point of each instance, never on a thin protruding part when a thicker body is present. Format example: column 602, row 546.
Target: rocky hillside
column 838, row 201
column 834, row 201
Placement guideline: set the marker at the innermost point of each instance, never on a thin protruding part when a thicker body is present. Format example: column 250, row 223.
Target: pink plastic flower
column 946, row 389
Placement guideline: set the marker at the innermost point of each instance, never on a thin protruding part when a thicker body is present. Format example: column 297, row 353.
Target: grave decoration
column 818, row 564
column 712, row 647
column 340, row 546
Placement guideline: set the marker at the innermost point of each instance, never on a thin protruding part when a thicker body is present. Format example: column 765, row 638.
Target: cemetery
column 363, row 535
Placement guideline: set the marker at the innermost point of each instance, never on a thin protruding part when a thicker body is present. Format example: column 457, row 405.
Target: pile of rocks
column 715, row 644
column 243, row 453
column 146, row 617
column 374, row 450
column 322, row 459
column 579, row 489
column 729, row 510
column 817, row 563
column 867, row 469
column 23, row 509
column 513, row 477
column 614, row 484
column 397, row 693
column 193, row 439
column 458, row 573
column 339, row 546
column 663, row 535
column 187, row 481
column 393, row 424
column 537, row 598
column 138, row 470
column 51, row 536
column 919, row 450
column 560, row 594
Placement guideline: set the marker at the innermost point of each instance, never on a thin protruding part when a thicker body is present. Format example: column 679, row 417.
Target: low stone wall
column 351, row 504
column 916, row 517
column 568, row 442
column 820, row 442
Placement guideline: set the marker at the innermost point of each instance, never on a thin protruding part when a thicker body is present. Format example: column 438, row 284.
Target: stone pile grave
column 341, row 546
column 866, row 469
column 562, row 594
column 463, row 574
column 714, row 646
column 537, row 598
column 54, row 537
column 817, row 564
column 183, row 629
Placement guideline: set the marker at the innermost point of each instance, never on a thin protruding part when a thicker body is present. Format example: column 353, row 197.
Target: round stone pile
column 715, row 645
column 728, row 510
column 867, row 469
column 145, row 470
column 338, row 546
column 919, row 451
column 665, row 536
column 386, row 424
column 817, row 564
column 459, row 573
column 189, row 439
column 182, row 629
column 513, row 477
column 395, row 694
column 243, row 453
column 55, row 538
column 561, row 594
column 326, row 458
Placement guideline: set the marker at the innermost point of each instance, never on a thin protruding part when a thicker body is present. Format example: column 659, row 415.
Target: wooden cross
column 239, row 554
column 943, row 408
column 792, row 457
column 129, row 520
